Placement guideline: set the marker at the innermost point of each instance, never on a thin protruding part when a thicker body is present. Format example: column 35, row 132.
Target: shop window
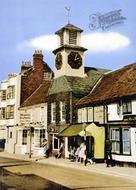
column 115, row 138
column 126, row 140
column 24, row 137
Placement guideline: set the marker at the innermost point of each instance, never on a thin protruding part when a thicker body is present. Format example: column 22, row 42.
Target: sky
column 29, row 25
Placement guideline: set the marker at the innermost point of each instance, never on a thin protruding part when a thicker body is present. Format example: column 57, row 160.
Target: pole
column 30, row 142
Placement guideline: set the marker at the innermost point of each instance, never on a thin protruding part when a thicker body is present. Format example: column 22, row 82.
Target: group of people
column 79, row 154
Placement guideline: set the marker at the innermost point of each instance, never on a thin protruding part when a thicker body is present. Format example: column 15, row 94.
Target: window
column 90, row 114
column 42, row 136
column 42, row 114
column 126, row 107
column 126, row 140
column 24, row 137
column 10, row 112
column 47, row 76
column 10, row 135
column 119, row 108
column 115, row 138
column 62, row 111
column 2, row 113
column 84, row 115
column 39, row 137
column 53, row 112
column 3, row 95
column 79, row 115
column 11, row 92
column 72, row 37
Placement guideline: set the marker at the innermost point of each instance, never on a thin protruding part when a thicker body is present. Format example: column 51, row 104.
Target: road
column 34, row 176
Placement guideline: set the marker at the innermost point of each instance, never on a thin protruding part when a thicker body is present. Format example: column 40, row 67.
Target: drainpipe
column 71, row 107
column 15, row 140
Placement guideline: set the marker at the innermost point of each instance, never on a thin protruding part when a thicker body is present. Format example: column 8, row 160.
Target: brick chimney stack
column 38, row 60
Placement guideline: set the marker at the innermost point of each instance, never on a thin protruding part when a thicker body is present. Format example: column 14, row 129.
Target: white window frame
column 11, row 92
column 3, row 113
column 79, row 115
column 10, row 112
column 126, row 141
column 62, row 111
column 90, row 114
column 3, row 95
column 115, row 138
column 127, row 107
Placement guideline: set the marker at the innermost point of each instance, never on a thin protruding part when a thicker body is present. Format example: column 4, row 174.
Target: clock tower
column 69, row 55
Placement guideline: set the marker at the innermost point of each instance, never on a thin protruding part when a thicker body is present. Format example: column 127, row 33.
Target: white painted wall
column 11, row 123
column 36, row 116
column 112, row 113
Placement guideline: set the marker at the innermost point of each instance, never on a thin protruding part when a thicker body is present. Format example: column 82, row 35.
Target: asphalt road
column 35, row 176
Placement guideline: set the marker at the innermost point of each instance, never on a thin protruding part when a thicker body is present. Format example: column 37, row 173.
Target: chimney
column 38, row 59
column 26, row 65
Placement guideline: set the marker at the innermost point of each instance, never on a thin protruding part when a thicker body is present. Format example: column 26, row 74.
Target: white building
column 32, row 129
column 9, row 114
column 113, row 103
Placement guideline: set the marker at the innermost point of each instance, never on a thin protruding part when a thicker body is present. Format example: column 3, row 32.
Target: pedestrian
column 77, row 153
column 108, row 147
column 61, row 149
column 82, row 153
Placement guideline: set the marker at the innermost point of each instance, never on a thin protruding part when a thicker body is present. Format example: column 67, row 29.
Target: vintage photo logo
column 106, row 21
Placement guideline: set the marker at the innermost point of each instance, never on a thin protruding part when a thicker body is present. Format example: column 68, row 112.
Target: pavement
column 123, row 172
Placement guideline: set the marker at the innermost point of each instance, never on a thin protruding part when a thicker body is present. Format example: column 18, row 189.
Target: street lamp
column 84, row 128
column 30, row 134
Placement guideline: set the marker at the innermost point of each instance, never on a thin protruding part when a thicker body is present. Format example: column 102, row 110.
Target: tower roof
column 69, row 27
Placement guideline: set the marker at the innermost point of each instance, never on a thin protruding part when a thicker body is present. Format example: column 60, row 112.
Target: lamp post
column 30, row 134
column 84, row 128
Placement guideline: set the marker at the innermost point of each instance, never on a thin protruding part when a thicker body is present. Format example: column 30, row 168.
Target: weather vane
column 68, row 15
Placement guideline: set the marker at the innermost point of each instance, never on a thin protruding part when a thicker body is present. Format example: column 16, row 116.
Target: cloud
column 95, row 42
column 46, row 42
column 105, row 42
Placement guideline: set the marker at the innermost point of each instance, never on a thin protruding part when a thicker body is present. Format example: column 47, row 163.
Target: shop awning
column 72, row 130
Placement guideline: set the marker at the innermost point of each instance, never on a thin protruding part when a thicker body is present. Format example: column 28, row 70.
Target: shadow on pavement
column 26, row 182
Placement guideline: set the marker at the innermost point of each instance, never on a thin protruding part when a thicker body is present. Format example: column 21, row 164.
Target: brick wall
column 31, row 80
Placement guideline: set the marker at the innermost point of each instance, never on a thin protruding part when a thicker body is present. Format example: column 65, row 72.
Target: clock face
column 58, row 61
column 74, row 60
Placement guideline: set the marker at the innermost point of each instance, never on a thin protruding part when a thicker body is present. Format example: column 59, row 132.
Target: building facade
column 9, row 114
column 114, row 98
column 71, row 82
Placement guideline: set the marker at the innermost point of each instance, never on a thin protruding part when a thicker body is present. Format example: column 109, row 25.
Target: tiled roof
column 79, row 86
column 69, row 27
column 114, row 85
column 39, row 95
